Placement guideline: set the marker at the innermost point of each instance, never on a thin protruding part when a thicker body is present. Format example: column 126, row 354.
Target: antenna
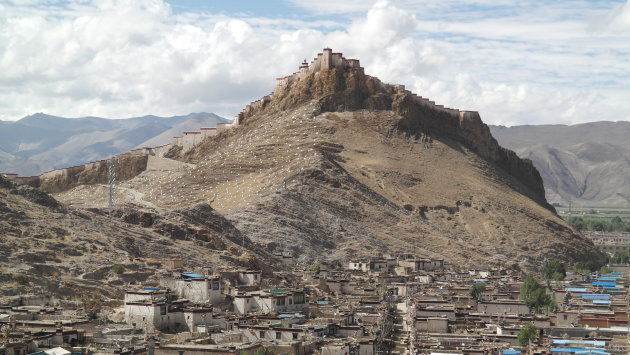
column 111, row 179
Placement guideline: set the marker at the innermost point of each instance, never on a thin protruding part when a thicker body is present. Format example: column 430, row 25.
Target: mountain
column 336, row 165
column 41, row 142
column 585, row 165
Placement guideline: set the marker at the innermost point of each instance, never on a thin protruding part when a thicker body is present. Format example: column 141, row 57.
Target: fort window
column 278, row 335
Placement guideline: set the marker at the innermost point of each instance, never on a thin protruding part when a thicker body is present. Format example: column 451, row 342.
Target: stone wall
column 128, row 165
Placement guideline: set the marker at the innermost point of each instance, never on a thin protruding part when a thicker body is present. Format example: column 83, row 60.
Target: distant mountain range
column 41, row 142
column 585, row 165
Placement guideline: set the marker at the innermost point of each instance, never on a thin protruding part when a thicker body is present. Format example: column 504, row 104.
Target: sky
column 516, row 62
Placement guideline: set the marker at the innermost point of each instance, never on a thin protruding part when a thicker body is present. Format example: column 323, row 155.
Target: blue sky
column 522, row 62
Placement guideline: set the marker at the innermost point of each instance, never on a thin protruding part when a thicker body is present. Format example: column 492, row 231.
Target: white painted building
column 269, row 301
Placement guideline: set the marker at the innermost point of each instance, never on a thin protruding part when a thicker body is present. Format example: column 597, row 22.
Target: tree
column 527, row 334
column 553, row 269
column 584, row 267
column 619, row 258
column 534, row 295
column 476, row 291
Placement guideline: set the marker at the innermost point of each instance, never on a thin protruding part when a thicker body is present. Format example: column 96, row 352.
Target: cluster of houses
column 400, row 304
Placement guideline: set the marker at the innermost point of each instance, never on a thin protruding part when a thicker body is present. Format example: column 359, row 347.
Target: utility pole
column 111, row 179
column 411, row 326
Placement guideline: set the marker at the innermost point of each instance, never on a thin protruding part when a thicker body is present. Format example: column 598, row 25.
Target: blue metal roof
column 511, row 352
column 595, row 296
column 192, row 276
column 600, row 283
column 150, row 288
column 612, row 288
column 609, row 278
column 602, row 302
column 584, row 351
column 290, row 315
column 580, row 341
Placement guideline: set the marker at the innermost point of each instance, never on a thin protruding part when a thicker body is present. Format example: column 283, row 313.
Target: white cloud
column 621, row 18
column 118, row 58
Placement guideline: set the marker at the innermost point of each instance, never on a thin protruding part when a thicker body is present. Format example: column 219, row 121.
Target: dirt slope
column 338, row 165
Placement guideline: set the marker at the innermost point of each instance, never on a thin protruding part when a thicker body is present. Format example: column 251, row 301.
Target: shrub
column 118, row 268
column 21, row 279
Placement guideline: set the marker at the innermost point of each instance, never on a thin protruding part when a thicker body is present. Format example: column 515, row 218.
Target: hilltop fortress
column 328, row 61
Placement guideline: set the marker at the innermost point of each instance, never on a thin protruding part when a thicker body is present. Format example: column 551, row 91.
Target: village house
column 196, row 288
column 266, row 301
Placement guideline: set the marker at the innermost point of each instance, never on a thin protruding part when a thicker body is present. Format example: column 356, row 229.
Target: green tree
column 534, row 295
column 619, row 258
column 584, row 267
column 527, row 334
column 476, row 291
column 553, row 269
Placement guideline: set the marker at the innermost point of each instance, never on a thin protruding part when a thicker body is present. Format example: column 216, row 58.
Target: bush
column 21, row 279
column 118, row 268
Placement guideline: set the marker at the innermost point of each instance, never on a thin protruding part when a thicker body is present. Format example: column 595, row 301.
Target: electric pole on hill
column 111, row 180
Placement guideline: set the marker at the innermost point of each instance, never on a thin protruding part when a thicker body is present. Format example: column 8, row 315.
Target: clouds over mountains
column 515, row 63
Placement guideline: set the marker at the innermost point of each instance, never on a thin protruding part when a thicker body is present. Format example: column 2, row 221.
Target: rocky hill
column 336, row 165
column 586, row 164
column 41, row 142
column 46, row 247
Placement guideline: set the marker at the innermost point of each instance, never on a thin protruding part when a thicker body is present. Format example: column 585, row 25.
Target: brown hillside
column 47, row 248
column 337, row 165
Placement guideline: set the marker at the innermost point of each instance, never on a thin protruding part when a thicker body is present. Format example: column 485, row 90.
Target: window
column 295, row 335
column 298, row 299
column 278, row 335
column 163, row 310
column 215, row 285
column 261, row 334
column 280, row 301
column 290, row 300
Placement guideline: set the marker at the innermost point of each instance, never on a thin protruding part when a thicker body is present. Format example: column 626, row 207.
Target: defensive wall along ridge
column 128, row 165
column 132, row 163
